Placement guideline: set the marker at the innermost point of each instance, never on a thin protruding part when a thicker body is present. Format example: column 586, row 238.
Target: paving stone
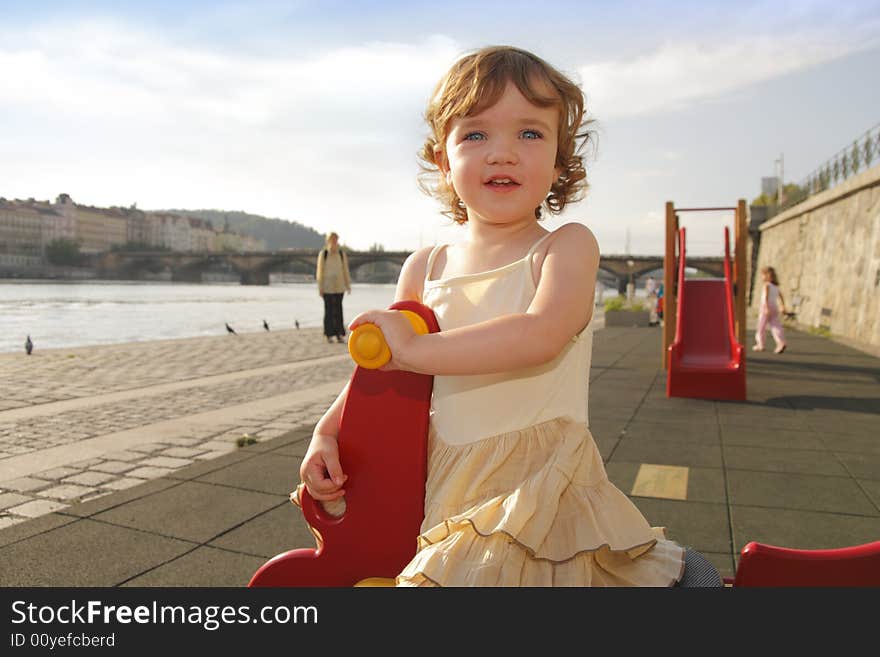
column 182, row 452
column 148, row 472
column 124, row 455
column 58, row 473
column 8, row 521
column 36, row 508
column 26, row 484
column 114, row 467
column 12, row 499
column 123, row 483
column 166, row 462
column 66, row 492
column 89, row 478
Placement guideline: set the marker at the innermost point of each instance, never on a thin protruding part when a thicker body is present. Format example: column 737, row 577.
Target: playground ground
column 796, row 465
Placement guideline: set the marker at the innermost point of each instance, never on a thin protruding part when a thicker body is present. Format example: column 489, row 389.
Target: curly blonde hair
column 476, row 82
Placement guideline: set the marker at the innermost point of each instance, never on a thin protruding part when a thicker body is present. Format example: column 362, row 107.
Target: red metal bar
column 703, row 209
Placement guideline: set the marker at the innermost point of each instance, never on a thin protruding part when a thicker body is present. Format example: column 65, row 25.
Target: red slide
column 705, row 359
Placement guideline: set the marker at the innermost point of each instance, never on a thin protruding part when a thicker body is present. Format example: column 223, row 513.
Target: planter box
column 627, row 318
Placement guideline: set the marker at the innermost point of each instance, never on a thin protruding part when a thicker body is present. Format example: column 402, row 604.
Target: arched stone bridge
column 254, row 267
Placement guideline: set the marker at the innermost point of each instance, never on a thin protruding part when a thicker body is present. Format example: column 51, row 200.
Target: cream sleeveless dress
column 517, row 494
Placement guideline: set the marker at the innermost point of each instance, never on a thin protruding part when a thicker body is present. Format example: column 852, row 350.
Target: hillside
column 276, row 233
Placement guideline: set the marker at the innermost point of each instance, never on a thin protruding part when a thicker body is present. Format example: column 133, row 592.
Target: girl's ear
column 440, row 159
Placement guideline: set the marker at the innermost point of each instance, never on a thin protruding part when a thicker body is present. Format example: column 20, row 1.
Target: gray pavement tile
column 204, row 467
column 281, row 529
column 668, row 452
column 119, row 497
column 679, row 431
column 864, row 444
column 700, row 525
column 704, row 484
column 85, row 553
column 784, row 422
column 192, row 511
column 723, row 562
column 297, row 449
column 804, row 530
column 32, row 527
column 872, row 489
column 740, row 457
column 606, row 428
column 679, row 420
column 860, row 466
column 204, row 566
column 768, row 437
column 606, row 444
column 798, row 491
column 273, row 473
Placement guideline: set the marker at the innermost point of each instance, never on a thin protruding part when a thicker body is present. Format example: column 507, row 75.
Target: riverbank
column 81, row 423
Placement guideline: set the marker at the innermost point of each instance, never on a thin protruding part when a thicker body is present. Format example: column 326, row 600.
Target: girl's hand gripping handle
column 367, row 344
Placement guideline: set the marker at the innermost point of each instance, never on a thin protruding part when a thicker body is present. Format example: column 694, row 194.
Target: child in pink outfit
column 772, row 307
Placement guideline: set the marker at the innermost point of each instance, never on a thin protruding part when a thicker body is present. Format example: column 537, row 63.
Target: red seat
column 769, row 565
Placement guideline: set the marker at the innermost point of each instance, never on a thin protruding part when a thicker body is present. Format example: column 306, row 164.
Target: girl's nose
column 502, row 152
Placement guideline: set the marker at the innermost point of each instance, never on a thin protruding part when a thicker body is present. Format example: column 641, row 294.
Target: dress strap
column 536, row 245
column 431, row 258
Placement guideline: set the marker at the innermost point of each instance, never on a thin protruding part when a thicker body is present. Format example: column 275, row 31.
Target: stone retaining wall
column 826, row 252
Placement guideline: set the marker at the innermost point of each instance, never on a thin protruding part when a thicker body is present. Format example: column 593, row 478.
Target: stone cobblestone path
column 78, row 424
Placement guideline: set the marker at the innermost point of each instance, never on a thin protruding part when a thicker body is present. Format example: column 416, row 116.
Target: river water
column 74, row 313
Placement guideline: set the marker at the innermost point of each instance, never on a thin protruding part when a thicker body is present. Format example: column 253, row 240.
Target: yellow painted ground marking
column 667, row 481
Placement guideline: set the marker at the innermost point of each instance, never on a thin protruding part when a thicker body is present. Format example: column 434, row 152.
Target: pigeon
column 28, row 345
column 296, row 321
column 265, row 325
column 230, row 330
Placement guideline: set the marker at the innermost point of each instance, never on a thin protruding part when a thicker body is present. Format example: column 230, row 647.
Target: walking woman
column 333, row 281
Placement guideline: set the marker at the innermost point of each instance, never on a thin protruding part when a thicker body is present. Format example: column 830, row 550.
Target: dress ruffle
column 534, row 507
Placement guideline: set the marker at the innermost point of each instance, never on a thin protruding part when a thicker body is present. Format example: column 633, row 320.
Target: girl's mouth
column 502, row 184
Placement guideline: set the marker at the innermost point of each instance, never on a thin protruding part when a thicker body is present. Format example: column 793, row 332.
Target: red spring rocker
column 761, row 564
column 383, row 449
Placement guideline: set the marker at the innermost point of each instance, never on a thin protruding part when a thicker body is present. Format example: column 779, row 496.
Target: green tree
column 63, row 252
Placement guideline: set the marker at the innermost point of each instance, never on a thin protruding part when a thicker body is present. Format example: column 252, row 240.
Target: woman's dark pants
column 333, row 324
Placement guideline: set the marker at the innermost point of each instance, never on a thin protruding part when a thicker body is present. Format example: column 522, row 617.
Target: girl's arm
column 561, row 308
column 320, row 470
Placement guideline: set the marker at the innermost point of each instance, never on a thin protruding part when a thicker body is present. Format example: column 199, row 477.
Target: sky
column 313, row 111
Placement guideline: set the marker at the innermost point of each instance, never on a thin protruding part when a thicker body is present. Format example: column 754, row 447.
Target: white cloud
column 329, row 139
column 676, row 74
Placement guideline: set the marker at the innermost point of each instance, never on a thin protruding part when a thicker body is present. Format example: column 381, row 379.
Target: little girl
column 516, row 494
column 772, row 307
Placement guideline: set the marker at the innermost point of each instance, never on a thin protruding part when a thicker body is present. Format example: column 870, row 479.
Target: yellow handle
column 367, row 345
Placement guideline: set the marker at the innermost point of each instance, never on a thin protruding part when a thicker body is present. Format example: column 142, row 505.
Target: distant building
column 770, row 186
column 21, row 234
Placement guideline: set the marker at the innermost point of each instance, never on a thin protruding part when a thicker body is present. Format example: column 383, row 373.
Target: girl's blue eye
column 531, row 134
column 474, row 136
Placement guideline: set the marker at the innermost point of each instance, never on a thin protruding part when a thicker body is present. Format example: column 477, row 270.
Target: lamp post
column 631, row 286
